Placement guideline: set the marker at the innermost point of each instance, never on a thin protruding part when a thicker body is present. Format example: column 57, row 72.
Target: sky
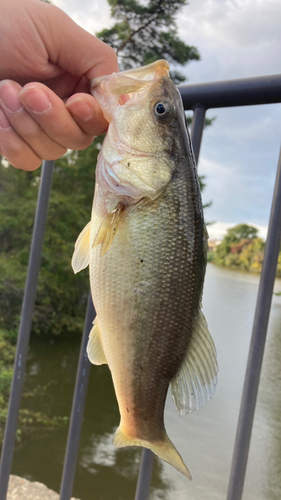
column 239, row 152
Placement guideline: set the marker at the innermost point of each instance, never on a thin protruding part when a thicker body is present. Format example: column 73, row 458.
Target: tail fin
column 163, row 449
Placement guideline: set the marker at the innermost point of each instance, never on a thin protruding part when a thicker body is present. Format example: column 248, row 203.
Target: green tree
column 145, row 33
column 241, row 232
column 240, row 248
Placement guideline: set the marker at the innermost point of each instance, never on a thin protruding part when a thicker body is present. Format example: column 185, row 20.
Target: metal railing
column 198, row 98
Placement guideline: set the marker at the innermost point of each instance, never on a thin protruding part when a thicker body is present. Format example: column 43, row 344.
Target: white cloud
column 236, row 38
column 92, row 15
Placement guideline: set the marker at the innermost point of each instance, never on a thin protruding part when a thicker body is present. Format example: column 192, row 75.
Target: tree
column 241, row 248
column 240, row 232
column 145, row 33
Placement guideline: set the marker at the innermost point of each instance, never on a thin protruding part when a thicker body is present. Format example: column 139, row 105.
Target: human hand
column 47, row 60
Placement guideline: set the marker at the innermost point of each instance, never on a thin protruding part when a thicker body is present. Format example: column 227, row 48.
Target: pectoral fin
column 94, row 348
column 196, row 380
column 108, row 229
column 80, row 258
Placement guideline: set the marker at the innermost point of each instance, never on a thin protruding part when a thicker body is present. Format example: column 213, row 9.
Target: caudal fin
column 163, row 449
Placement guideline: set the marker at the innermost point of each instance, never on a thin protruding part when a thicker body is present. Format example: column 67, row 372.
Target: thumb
column 73, row 49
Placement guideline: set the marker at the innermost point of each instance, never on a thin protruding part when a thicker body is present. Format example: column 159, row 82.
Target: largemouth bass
column 146, row 247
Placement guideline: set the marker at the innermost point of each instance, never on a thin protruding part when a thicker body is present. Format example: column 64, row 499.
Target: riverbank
column 22, row 489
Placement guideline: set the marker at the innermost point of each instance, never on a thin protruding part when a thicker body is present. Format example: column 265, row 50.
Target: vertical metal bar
column 78, row 406
column 252, row 377
column 25, row 325
column 146, row 466
column 197, row 126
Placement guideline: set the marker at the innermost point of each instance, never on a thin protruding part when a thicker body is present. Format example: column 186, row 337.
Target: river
column 205, row 438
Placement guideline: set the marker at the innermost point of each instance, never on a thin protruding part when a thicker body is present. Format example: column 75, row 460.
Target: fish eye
column 162, row 110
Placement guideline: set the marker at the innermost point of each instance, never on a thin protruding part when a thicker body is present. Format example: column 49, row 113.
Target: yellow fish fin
column 194, row 384
column 80, row 258
column 108, row 229
column 163, row 449
column 94, row 348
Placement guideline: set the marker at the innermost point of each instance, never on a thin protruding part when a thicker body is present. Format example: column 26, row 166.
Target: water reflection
column 205, row 439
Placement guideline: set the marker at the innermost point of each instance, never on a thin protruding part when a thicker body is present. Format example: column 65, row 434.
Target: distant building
column 213, row 244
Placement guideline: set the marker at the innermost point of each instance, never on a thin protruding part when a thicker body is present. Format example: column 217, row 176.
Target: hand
column 45, row 104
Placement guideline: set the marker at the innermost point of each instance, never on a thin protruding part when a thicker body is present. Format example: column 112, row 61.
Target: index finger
column 80, row 53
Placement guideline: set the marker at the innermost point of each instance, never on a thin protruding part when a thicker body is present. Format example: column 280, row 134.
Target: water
column 205, row 439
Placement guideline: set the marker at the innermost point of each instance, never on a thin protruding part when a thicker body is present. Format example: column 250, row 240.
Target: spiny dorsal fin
column 108, row 229
column 196, row 379
column 80, row 258
column 94, row 348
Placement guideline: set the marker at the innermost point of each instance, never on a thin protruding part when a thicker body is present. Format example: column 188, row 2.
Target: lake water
column 205, row 439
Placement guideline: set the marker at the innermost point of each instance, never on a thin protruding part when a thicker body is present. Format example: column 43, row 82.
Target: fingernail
column 10, row 97
column 4, row 122
column 35, row 99
column 80, row 109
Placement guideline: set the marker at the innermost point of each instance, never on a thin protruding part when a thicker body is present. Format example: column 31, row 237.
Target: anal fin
column 194, row 384
column 94, row 348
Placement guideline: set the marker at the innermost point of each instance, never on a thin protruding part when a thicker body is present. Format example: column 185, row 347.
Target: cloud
column 236, row 38
column 92, row 15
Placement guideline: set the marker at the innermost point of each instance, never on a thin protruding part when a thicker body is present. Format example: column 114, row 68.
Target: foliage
column 241, row 248
column 240, row 232
column 233, row 235
column 146, row 32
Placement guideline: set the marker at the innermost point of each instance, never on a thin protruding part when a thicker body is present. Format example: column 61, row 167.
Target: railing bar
column 78, row 407
column 25, row 325
column 240, row 92
column 145, row 473
column 197, row 126
column 252, row 377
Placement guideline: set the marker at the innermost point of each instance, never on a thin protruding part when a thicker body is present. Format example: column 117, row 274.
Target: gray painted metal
column 252, row 377
column 25, row 325
column 197, row 126
column 78, row 406
column 242, row 92
column 145, row 473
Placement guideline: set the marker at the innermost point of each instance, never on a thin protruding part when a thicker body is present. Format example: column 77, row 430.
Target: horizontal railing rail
column 199, row 98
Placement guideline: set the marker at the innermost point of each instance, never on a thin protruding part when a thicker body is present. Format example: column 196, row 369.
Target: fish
column 146, row 247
